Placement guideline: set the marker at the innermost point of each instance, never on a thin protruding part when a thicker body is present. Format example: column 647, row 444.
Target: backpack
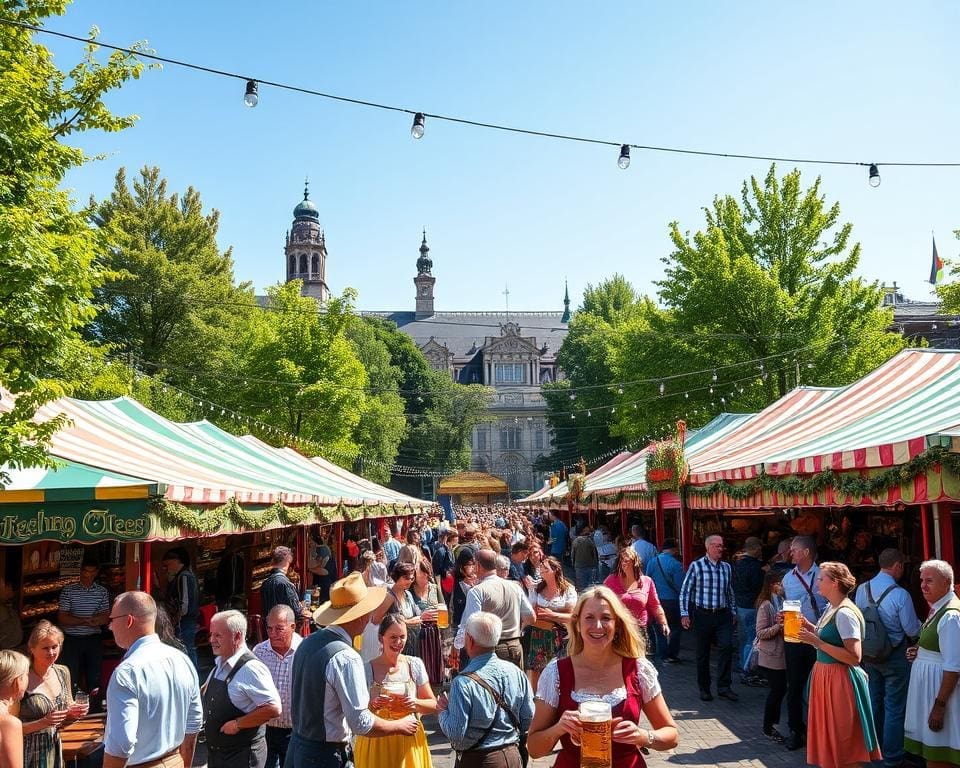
column 876, row 645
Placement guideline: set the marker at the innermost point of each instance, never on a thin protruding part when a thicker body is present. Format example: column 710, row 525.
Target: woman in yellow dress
column 398, row 686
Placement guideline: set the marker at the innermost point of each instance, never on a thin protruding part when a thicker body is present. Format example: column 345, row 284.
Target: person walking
column 239, row 697
column 840, row 726
column 330, row 697
column 889, row 676
column 932, row 726
column 277, row 653
column 637, row 592
column 182, row 599
column 801, row 583
column 84, row 608
column 606, row 553
column 666, row 571
column 154, row 711
column 643, row 548
column 277, row 589
column 747, row 581
column 503, row 599
column 559, row 536
column 583, row 555
column 707, row 602
column 770, row 661
column 490, row 703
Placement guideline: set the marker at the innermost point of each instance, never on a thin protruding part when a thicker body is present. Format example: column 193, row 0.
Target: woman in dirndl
column 840, row 730
column 426, row 595
column 552, row 599
column 932, row 725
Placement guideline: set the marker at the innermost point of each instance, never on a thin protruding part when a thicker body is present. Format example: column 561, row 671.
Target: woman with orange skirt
column 840, row 729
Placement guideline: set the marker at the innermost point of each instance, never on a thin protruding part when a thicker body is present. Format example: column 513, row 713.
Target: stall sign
column 74, row 521
column 70, row 560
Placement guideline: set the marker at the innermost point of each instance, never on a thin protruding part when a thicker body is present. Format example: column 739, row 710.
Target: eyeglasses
column 121, row 616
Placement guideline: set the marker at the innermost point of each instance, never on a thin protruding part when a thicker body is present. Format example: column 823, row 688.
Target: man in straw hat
column 330, row 698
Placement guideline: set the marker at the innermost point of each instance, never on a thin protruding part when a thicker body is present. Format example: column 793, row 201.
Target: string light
column 874, row 178
column 624, row 160
column 251, row 98
column 663, row 388
column 417, row 129
column 141, row 54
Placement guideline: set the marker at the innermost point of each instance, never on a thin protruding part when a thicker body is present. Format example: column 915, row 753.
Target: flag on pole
column 936, row 268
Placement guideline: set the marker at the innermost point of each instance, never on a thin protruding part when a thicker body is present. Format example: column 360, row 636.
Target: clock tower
column 306, row 250
column 424, row 281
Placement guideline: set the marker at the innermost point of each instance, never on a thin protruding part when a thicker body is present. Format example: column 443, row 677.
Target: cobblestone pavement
column 716, row 733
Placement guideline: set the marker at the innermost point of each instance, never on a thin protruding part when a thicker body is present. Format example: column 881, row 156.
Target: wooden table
column 83, row 737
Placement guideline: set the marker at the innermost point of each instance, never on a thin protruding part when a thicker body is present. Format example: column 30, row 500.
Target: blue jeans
column 668, row 647
column 187, row 634
column 888, row 694
column 584, row 577
column 307, row 753
column 746, row 633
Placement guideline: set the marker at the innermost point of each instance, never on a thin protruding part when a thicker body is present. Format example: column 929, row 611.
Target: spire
column 566, row 303
column 424, row 263
column 306, row 188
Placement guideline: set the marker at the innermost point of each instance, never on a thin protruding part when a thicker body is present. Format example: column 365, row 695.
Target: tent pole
column 925, row 531
column 936, row 529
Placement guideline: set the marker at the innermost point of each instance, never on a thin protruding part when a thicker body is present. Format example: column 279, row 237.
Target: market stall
column 474, row 488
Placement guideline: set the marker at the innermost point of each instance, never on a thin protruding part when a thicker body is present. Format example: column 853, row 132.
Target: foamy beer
column 443, row 618
column 396, row 691
column 791, row 621
column 596, row 740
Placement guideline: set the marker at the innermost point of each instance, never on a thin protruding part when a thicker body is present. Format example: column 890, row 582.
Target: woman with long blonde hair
column 606, row 661
column 14, row 670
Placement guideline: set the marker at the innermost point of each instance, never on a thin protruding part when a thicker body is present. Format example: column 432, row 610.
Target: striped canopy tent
column 883, row 440
column 70, row 481
column 208, row 481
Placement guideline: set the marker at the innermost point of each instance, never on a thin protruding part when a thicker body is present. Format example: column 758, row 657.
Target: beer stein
column 791, row 621
column 596, row 738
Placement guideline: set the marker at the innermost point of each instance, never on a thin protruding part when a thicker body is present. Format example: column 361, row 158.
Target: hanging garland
column 845, row 483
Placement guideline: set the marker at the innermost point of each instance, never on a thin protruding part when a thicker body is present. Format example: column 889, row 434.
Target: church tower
column 306, row 250
column 424, row 281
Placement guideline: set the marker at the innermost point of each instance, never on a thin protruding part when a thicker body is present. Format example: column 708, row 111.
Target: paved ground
column 716, row 733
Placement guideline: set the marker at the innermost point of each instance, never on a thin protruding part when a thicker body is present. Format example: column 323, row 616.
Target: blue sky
column 861, row 81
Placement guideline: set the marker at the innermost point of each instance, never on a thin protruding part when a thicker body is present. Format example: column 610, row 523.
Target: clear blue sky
column 862, row 81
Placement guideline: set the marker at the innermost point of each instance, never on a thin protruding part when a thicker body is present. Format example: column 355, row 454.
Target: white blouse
column 548, row 689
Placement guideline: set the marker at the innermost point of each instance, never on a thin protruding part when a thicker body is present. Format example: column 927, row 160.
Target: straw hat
column 350, row 598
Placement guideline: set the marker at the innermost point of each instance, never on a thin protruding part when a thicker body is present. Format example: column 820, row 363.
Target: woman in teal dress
column 840, row 730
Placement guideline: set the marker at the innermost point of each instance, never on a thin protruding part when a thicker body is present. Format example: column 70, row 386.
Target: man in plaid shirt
column 277, row 652
column 707, row 597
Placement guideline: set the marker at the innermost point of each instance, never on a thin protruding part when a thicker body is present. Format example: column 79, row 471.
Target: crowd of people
column 511, row 630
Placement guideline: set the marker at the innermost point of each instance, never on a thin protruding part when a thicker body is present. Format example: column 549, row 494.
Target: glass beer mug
column 791, row 621
column 443, row 618
column 596, row 739
column 395, row 691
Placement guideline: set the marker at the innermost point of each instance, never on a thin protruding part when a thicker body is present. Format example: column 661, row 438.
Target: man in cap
column 330, row 698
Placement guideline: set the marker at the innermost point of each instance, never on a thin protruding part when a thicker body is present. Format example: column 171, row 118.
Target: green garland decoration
column 844, row 482
column 197, row 520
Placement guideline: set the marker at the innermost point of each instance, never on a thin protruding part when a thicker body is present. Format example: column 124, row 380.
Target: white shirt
column 948, row 629
column 473, row 605
column 252, row 686
column 548, row 688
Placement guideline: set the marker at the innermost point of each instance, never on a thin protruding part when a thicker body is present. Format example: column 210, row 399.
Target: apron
column 246, row 749
column 624, row 755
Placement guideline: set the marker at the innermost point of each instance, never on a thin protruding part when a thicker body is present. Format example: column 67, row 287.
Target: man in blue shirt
column 154, row 711
column 667, row 574
column 471, row 719
column 558, row 538
column 642, row 547
column 889, row 678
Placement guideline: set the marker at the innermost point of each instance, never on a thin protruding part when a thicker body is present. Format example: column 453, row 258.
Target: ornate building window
column 538, row 439
column 316, row 264
column 508, row 373
column 293, row 264
column 303, row 263
column 481, row 440
column 509, row 438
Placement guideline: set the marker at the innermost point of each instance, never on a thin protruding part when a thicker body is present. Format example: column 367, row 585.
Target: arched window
column 293, row 265
column 316, row 264
column 303, row 263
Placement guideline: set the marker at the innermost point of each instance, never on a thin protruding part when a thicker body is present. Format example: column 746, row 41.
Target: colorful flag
column 936, row 268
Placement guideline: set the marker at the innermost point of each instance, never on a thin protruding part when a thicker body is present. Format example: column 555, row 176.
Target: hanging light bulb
column 686, row 395
column 874, row 179
column 573, row 395
column 714, row 374
column 416, row 130
column 250, row 97
column 624, row 160
column 613, row 410
column 619, row 390
column 711, row 390
column 573, row 415
column 663, row 388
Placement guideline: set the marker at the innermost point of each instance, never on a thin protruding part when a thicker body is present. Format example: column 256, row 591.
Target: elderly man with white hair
column 490, row 701
column 239, row 697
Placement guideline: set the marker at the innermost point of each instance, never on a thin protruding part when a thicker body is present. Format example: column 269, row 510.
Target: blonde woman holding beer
column 840, row 730
column 606, row 671
column 398, row 686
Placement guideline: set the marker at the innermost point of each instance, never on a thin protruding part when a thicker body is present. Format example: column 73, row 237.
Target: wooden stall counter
column 82, row 738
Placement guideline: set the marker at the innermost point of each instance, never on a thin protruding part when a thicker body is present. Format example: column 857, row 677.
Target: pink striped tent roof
column 886, row 418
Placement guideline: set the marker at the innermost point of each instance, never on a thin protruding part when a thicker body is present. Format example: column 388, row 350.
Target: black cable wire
column 466, row 121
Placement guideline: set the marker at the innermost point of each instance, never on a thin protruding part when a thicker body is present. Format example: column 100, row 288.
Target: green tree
column 47, row 249
column 761, row 299
column 171, row 302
